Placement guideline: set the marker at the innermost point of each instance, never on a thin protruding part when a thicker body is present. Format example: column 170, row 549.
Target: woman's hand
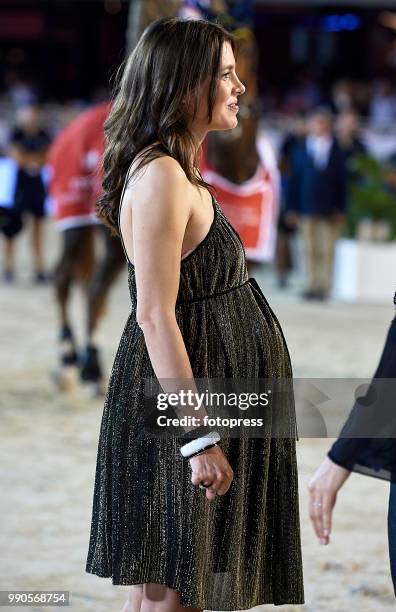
column 212, row 467
column 323, row 488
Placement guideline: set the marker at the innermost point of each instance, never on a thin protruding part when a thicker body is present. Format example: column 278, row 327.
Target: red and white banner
column 252, row 207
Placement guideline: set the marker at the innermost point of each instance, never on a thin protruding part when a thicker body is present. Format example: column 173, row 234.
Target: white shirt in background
column 319, row 149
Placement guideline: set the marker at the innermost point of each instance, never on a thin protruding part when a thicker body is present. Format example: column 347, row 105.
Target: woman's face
column 225, row 110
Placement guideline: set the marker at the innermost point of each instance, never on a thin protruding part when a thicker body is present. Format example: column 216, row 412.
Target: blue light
column 331, row 23
column 339, row 23
column 350, row 22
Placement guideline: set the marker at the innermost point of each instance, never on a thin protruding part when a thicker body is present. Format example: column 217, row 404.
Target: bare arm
column 160, row 217
column 17, row 153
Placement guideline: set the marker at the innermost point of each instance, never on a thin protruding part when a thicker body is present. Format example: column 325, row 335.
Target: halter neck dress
column 149, row 522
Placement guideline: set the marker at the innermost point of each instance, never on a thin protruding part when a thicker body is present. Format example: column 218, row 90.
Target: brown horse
column 77, row 265
column 75, row 159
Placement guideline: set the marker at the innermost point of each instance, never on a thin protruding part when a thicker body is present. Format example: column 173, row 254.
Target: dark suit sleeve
column 367, row 443
column 293, row 199
column 340, row 181
column 16, row 136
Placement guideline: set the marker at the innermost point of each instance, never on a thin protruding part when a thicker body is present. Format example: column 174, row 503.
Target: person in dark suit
column 373, row 456
column 318, row 197
column 286, row 223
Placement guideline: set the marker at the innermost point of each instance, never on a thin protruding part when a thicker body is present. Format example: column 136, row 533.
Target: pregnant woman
column 194, row 314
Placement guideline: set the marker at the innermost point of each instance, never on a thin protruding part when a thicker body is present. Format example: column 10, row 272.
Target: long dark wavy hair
column 171, row 60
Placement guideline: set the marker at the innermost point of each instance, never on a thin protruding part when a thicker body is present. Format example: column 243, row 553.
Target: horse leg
column 106, row 273
column 67, row 271
column 104, row 277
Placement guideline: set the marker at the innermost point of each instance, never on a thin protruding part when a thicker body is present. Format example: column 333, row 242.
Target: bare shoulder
column 166, row 165
column 160, row 188
column 164, row 173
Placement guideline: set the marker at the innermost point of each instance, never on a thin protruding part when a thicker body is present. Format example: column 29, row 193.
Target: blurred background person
column 28, row 146
column 19, row 90
column 288, row 219
column 382, row 112
column 10, row 219
column 318, row 194
column 348, row 133
column 341, row 96
column 350, row 139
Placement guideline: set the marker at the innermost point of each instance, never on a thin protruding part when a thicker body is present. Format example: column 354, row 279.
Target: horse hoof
column 91, row 370
column 95, row 389
column 65, row 378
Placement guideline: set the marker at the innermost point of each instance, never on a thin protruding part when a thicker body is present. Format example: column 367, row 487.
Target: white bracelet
column 200, row 443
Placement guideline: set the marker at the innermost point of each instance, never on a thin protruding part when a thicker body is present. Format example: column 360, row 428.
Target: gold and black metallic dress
column 149, row 522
